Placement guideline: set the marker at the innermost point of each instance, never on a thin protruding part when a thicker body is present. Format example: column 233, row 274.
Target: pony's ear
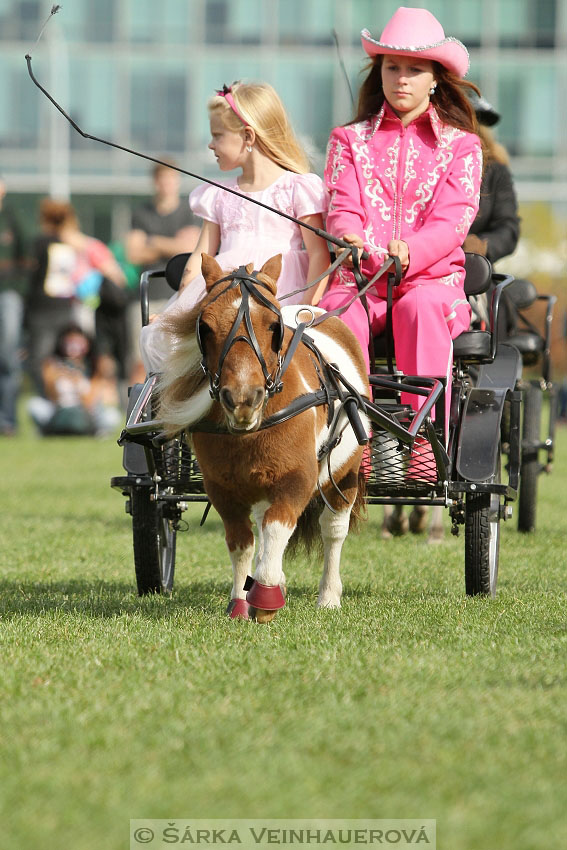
column 272, row 270
column 211, row 270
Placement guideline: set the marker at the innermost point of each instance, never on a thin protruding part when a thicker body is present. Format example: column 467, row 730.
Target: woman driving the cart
column 404, row 179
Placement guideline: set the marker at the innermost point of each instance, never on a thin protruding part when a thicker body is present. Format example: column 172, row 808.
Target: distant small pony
column 237, row 365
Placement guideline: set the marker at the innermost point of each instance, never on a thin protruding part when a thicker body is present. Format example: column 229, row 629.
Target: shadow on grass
column 101, row 599
column 105, row 599
column 111, row 599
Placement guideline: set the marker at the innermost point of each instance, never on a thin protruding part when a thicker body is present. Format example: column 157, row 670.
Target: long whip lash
column 317, row 230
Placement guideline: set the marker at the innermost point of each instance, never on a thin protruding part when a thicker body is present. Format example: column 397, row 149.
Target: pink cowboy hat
column 417, row 32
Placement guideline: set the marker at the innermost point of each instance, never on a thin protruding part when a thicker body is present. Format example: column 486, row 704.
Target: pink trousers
column 425, row 320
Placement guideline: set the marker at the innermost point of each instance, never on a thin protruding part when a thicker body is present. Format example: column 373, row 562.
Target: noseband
column 248, row 284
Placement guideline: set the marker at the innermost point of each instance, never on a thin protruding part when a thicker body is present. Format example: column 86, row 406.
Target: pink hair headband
column 226, row 93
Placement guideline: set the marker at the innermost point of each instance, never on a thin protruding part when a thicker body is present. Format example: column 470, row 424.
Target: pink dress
column 248, row 234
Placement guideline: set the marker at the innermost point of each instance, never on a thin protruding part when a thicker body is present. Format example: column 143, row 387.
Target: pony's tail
column 307, row 534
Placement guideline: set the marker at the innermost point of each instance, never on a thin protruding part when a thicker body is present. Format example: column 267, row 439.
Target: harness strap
column 333, row 267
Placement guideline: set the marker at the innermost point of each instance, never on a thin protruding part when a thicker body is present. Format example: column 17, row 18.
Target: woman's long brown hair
column 450, row 99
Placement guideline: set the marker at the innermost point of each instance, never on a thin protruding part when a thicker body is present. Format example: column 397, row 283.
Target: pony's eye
column 204, row 330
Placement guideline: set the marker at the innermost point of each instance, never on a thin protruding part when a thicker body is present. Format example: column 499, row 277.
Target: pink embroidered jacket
column 419, row 183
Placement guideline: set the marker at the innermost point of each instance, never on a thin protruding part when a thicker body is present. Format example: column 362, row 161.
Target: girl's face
column 228, row 147
column 406, row 81
column 75, row 345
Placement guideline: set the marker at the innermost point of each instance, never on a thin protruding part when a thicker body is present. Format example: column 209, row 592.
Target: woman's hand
column 352, row 239
column 398, row 248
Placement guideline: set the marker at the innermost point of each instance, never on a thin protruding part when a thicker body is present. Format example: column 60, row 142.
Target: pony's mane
column 182, row 387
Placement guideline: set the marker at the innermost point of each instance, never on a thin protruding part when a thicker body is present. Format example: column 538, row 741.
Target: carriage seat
column 520, row 295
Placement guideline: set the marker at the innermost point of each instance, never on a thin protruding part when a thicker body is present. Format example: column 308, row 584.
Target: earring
column 249, row 148
column 432, row 89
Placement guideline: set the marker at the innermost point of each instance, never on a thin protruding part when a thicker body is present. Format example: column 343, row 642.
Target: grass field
column 411, row 702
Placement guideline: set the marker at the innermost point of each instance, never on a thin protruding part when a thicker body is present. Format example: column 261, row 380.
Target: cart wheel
column 529, row 466
column 154, row 544
column 482, row 541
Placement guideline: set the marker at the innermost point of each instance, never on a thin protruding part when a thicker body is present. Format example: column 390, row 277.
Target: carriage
column 475, row 464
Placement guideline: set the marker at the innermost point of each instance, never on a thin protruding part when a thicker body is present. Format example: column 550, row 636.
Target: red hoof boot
column 268, row 597
column 238, row 609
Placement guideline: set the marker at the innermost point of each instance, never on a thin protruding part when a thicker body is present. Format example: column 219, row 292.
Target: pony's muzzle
column 242, row 407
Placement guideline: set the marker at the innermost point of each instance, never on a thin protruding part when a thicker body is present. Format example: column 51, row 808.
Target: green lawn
column 411, row 702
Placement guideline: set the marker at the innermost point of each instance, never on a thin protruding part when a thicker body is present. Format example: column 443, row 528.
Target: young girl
column 251, row 132
column 404, row 179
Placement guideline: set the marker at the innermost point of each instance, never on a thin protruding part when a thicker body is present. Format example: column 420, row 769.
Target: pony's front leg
column 334, row 529
column 274, row 531
column 240, row 544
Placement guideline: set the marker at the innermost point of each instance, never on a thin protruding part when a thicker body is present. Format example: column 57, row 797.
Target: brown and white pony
column 267, row 475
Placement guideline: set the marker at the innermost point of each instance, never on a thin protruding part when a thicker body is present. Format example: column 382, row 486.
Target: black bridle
column 248, row 284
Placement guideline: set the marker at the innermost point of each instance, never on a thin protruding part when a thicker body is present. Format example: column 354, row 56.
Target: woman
column 69, row 269
column 404, row 179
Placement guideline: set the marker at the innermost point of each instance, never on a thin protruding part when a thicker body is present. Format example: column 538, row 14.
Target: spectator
column 66, row 373
column 161, row 228
column 496, row 228
column 12, row 281
column 81, row 390
column 72, row 271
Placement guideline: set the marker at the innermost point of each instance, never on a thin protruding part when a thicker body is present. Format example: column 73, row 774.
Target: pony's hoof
column 436, row 536
column 238, row 609
column 397, row 526
column 262, row 616
column 418, row 519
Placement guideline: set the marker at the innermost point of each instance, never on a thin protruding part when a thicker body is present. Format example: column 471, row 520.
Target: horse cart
column 469, row 462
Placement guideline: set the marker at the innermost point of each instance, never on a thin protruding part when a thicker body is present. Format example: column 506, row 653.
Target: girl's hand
column 352, row 239
column 398, row 248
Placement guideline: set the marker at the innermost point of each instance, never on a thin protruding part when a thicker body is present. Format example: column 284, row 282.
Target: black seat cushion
column 474, row 344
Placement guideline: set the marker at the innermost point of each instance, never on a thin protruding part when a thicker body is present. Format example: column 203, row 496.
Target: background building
column 140, row 73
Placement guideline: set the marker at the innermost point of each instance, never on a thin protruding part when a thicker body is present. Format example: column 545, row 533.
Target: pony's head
column 240, row 333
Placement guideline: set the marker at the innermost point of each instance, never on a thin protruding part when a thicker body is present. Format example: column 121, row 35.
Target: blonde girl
column 250, row 132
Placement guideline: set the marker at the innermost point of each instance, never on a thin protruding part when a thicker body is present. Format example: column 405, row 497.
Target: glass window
column 158, row 106
column 20, row 108
column 525, row 90
column 227, row 22
column 305, row 23
column 93, row 94
column 150, row 23
column 522, row 23
column 305, row 86
column 20, row 20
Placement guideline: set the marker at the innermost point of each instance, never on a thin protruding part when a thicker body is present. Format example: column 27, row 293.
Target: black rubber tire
column 482, row 540
column 154, row 544
column 482, row 543
column 529, row 465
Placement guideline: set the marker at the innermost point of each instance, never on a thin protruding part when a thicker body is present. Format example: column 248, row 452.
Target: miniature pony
column 239, row 337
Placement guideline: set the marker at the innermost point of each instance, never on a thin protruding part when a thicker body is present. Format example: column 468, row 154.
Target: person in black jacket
column 496, row 228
